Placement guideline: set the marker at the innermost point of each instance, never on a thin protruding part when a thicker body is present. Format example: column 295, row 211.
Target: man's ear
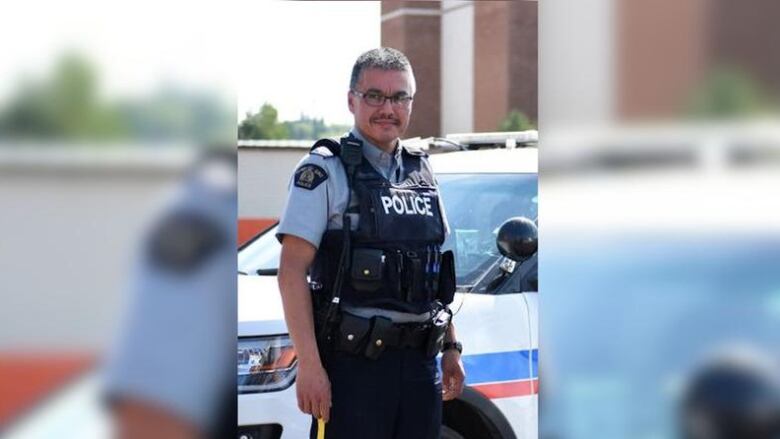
column 350, row 103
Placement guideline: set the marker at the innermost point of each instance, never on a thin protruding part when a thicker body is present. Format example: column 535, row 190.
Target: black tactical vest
column 396, row 250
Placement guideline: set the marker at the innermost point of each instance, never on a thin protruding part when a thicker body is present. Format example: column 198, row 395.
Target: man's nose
column 387, row 105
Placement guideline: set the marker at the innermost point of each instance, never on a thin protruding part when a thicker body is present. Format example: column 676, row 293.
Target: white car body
column 499, row 332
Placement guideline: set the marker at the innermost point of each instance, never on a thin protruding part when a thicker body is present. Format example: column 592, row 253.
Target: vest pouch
column 368, row 268
column 447, row 280
column 414, row 273
column 352, row 333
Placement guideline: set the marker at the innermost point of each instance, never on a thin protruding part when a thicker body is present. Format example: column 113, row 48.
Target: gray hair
column 383, row 58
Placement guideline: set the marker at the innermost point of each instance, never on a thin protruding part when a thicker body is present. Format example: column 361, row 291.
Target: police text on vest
column 408, row 205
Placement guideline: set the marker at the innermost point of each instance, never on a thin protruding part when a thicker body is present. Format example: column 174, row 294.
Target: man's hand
column 453, row 375
column 313, row 389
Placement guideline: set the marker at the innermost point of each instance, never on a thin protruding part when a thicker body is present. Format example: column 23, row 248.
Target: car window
column 261, row 254
column 476, row 205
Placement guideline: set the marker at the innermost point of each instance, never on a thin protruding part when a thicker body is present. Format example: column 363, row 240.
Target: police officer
column 363, row 218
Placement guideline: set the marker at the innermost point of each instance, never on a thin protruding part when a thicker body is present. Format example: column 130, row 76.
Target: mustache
column 386, row 119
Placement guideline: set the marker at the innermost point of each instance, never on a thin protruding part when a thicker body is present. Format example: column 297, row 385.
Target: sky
column 294, row 55
column 298, row 56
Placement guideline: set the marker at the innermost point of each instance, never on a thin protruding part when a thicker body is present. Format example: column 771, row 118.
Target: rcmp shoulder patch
column 309, row 176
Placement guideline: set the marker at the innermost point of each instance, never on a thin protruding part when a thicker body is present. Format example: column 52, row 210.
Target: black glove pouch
column 378, row 339
column 447, row 280
column 368, row 267
column 352, row 333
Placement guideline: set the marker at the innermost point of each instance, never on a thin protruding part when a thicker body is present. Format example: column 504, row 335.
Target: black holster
column 439, row 324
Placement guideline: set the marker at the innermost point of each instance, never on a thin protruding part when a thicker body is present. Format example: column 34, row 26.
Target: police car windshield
column 476, row 205
column 261, row 256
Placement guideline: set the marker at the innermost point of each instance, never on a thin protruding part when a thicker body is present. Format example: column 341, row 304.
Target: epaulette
column 414, row 150
column 326, row 148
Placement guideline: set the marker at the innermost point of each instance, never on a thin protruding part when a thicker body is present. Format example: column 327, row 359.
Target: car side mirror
column 518, row 238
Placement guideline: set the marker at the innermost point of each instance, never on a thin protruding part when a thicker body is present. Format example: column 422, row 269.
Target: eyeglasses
column 376, row 99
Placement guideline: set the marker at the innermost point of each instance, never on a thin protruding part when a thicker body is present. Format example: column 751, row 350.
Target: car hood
column 260, row 309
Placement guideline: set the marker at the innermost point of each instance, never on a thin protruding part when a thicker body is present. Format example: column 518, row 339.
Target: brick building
column 474, row 61
column 667, row 49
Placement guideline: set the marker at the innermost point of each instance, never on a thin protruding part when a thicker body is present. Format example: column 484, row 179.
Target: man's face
column 385, row 124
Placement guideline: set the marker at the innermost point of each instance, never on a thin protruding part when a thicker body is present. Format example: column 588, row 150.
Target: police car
column 496, row 306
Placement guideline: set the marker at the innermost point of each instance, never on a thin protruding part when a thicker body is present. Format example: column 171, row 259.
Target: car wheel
column 448, row 433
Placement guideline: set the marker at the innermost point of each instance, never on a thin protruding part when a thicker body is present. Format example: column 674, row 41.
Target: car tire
column 448, row 433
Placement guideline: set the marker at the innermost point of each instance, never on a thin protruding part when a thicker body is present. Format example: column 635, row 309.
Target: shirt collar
column 376, row 156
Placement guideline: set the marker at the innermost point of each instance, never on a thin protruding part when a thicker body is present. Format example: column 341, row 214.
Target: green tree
column 173, row 113
column 310, row 128
column 728, row 92
column 64, row 107
column 67, row 106
column 516, row 121
column 262, row 125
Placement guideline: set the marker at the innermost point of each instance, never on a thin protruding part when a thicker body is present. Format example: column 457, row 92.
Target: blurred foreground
column 113, row 126
column 660, row 221
column 659, row 264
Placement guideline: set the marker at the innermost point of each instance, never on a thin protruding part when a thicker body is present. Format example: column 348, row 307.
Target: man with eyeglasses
column 364, row 221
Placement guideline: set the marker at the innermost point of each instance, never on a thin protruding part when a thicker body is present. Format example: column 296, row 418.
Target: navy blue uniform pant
column 395, row 396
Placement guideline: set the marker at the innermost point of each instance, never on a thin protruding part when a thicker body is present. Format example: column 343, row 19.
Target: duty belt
column 371, row 336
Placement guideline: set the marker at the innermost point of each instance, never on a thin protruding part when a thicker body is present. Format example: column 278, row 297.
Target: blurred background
column 105, row 112
column 659, row 219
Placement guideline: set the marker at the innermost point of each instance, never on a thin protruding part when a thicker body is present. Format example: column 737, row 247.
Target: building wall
column 505, row 62
column 661, row 56
column 523, row 47
column 576, row 59
column 474, row 61
column 746, row 33
column 660, row 71
column 491, row 64
column 414, row 27
column 457, row 61
column 263, row 177
column 68, row 251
